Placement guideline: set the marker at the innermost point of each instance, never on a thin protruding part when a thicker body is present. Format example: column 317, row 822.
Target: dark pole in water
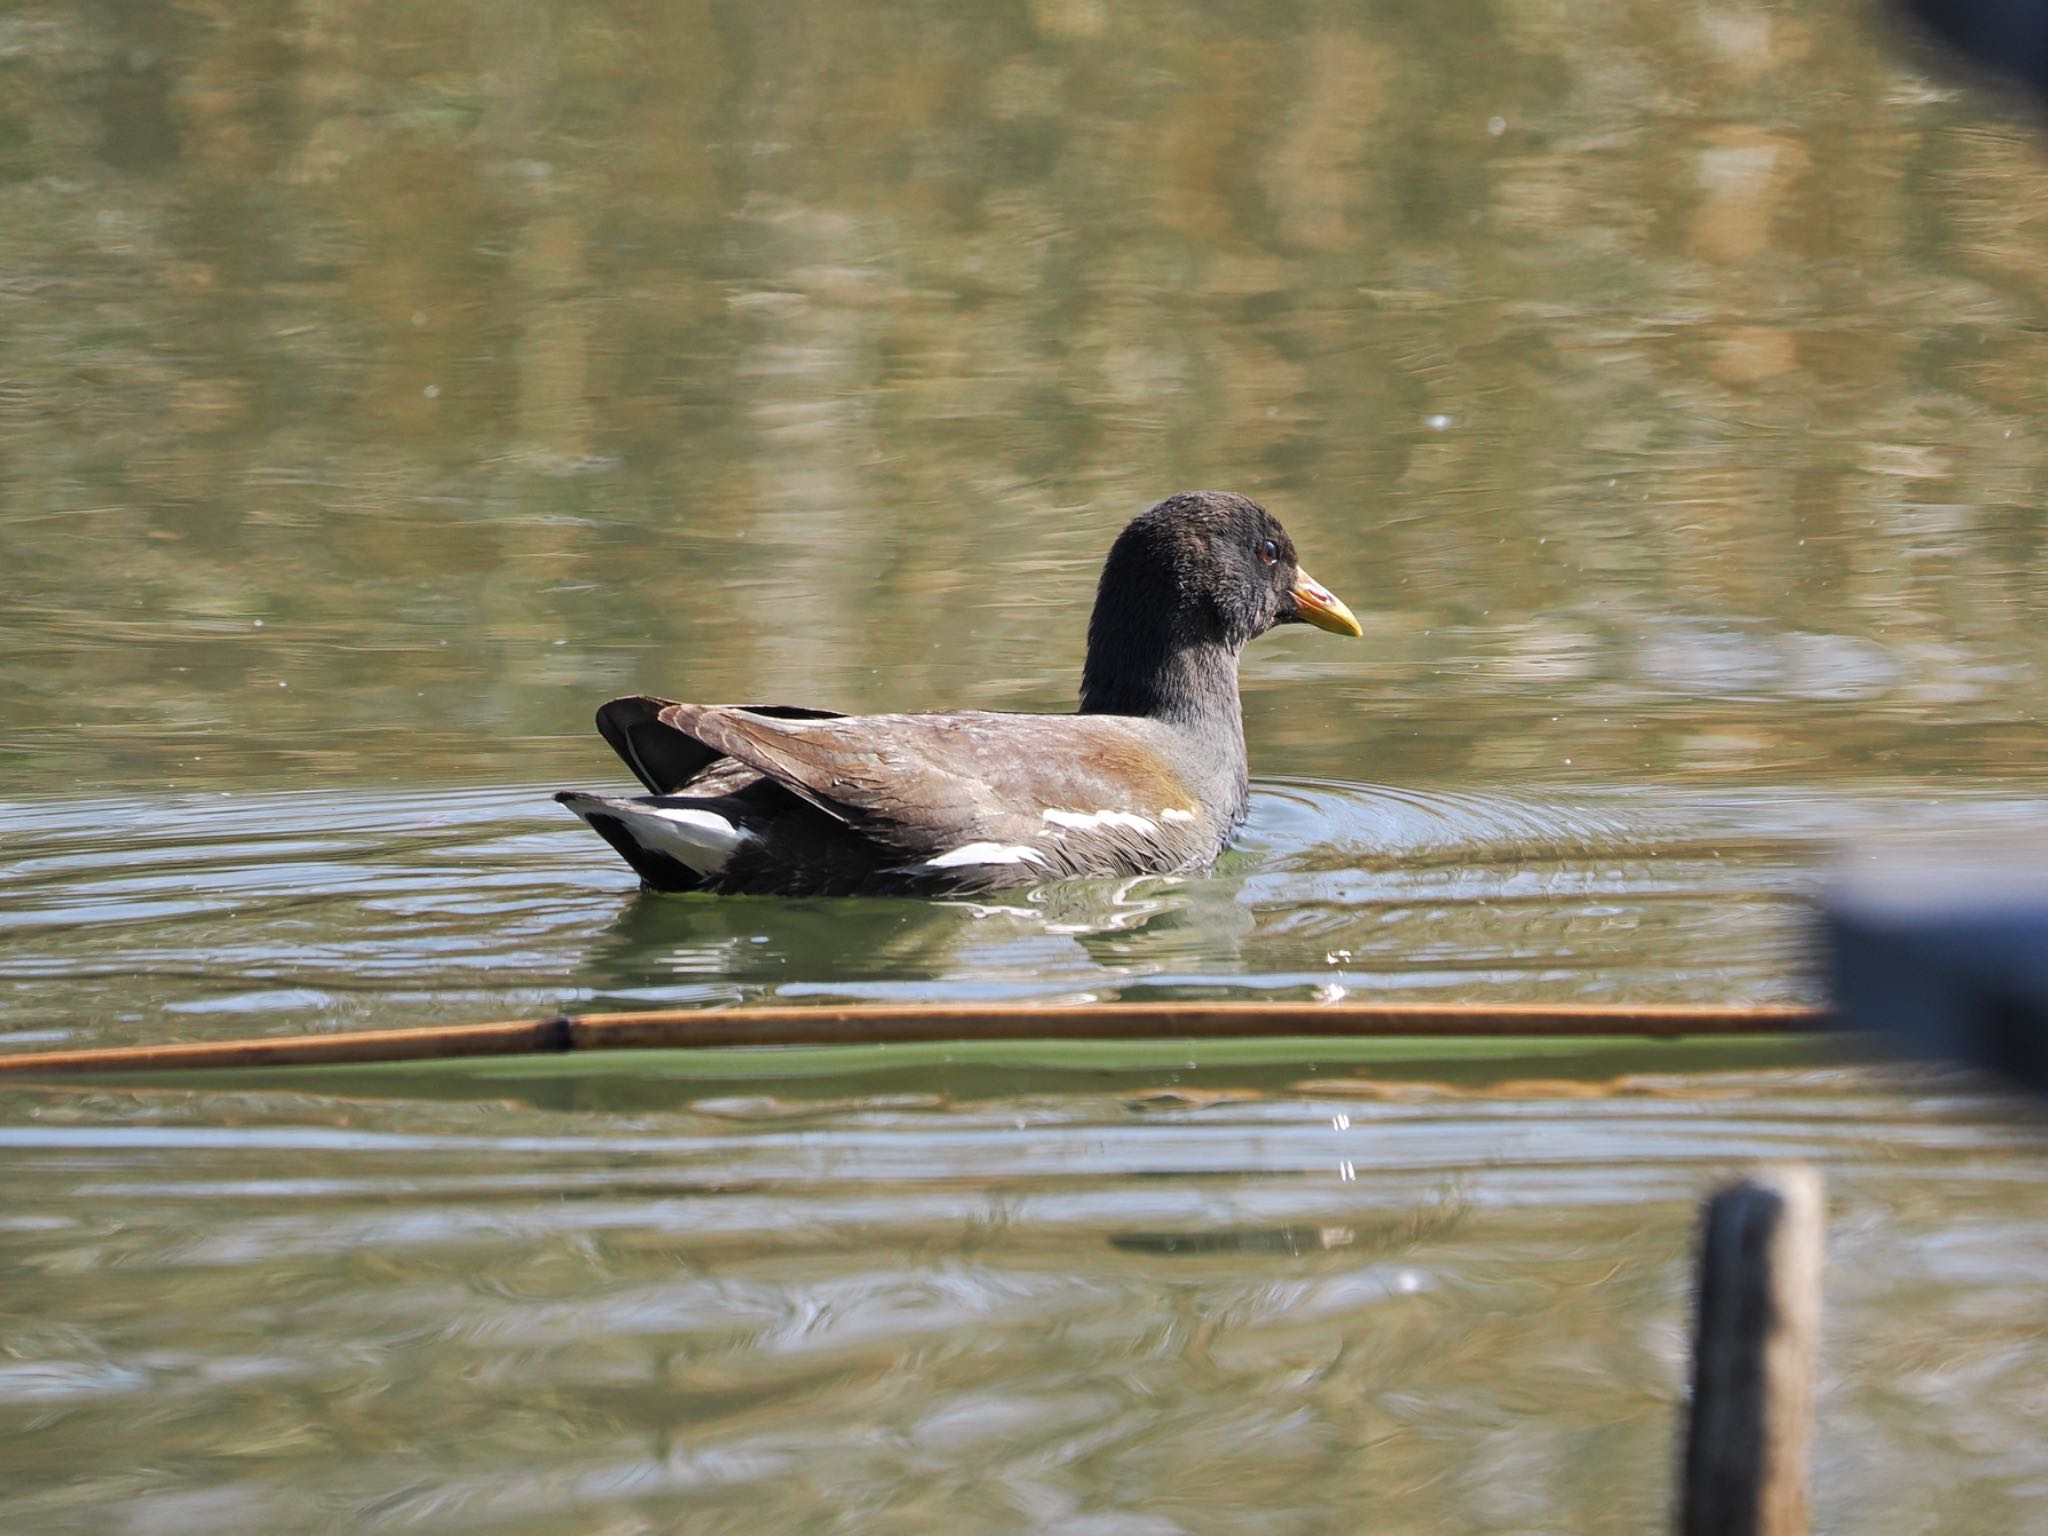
column 1755, row 1346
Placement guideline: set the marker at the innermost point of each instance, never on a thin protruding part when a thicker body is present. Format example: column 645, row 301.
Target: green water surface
column 383, row 385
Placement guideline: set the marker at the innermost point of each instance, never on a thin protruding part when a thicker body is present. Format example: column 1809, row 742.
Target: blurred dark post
column 2008, row 37
column 1944, row 951
column 1756, row 1341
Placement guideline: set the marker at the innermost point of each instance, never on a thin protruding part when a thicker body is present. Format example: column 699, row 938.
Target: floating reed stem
column 902, row 1024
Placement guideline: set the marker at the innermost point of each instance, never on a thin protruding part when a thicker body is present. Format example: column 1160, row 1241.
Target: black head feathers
column 1201, row 571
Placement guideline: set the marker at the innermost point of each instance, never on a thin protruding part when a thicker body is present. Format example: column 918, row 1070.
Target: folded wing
column 928, row 786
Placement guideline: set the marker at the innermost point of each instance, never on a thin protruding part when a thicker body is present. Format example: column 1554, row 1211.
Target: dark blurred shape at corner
column 2008, row 37
column 1944, row 951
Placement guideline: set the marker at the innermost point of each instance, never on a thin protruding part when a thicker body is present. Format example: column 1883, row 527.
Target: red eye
column 1268, row 552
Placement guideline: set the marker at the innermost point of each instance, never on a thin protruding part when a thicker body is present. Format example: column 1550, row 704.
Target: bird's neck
column 1192, row 689
column 1189, row 684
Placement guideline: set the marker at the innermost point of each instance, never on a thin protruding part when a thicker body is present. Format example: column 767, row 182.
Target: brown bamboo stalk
column 901, row 1024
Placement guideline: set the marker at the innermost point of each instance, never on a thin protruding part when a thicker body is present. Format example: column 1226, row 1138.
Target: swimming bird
column 1149, row 777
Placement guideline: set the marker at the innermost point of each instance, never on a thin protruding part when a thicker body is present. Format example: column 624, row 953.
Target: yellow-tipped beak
column 1319, row 606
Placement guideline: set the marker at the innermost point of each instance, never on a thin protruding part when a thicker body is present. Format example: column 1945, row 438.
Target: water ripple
column 201, row 915
column 448, row 1317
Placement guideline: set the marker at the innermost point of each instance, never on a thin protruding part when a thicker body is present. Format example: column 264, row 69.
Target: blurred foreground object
column 2008, row 37
column 1945, row 951
column 1756, row 1341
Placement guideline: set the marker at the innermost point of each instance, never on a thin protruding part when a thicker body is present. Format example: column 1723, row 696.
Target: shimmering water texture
column 382, row 388
column 217, row 915
column 1340, row 1305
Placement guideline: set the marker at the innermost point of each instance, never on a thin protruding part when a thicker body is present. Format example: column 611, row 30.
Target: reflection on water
column 379, row 389
column 207, row 915
column 1293, row 1309
column 1664, row 386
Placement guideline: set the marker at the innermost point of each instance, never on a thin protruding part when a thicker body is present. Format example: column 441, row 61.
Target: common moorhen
column 1148, row 778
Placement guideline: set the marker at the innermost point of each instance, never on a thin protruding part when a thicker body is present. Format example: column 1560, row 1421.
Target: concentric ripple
column 145, row 918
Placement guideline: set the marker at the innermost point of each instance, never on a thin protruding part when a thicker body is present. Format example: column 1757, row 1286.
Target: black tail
column 657, row 869
column 661, row 757
column 665, row 757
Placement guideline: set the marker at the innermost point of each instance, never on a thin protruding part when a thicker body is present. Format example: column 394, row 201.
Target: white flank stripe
column 1082, row 821
column 1176, row 814
column 984, row 853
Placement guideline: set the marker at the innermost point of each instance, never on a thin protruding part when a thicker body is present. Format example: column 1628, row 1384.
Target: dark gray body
column 970, row 801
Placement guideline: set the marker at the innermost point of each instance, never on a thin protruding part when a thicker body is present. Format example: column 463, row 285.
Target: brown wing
column 663, row 755
column 924, row 784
